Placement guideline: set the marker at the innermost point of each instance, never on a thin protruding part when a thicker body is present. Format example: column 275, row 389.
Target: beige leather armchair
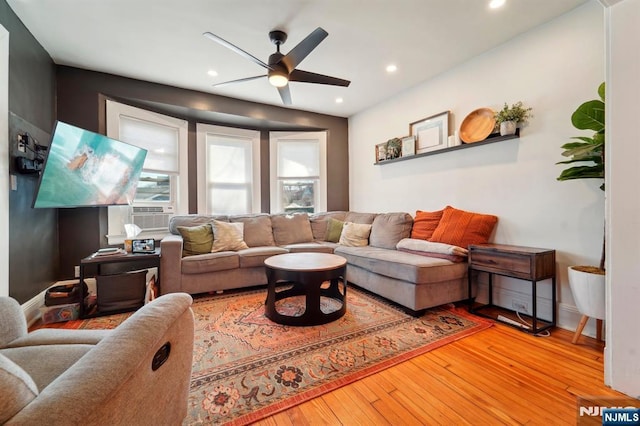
column 137, row 373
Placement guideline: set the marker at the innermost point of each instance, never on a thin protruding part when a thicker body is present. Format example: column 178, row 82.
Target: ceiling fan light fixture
column 278, row 78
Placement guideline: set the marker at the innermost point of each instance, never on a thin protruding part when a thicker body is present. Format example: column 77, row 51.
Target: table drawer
column 501, row 262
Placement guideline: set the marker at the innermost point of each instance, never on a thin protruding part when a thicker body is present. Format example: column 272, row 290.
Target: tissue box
column 60, row 313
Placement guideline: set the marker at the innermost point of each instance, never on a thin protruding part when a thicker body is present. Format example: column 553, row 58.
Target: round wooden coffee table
column 306, row 273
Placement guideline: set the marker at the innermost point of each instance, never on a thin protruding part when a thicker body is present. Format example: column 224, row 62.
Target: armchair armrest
column 13, row 324
column 171, row 264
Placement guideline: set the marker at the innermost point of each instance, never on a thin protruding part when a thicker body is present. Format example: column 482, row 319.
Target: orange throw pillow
column 425, row 223
column 461, row 228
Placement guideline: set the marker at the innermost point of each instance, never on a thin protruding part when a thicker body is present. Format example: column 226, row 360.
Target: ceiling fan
column 281, row 69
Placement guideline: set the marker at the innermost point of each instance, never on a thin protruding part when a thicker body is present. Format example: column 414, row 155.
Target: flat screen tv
column 88, row 169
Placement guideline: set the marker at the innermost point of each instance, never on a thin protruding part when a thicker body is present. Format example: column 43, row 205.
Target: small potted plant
column 394, row 148
column 509, row 117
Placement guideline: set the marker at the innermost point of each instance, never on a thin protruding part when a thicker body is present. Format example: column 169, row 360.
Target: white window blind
column 228, row 170
column 161, row 143
column 230, row 174
column 298, row 172
column 298, row 159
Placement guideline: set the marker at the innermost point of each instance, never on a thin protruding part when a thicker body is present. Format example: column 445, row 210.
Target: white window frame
column 274, row 139
column 202, row 130
column 119, row 215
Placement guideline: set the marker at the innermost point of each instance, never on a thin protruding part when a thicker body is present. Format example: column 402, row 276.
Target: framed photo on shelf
column 381, row 152
column 431, row 133
column 408, row 146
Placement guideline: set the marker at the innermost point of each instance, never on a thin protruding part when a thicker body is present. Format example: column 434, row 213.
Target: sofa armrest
column 171, row 264
column 114, row 383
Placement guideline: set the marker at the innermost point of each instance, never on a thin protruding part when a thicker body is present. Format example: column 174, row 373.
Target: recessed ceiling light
column 339, row 100
column 494, row 4
column 392, row 68
column 212, row 73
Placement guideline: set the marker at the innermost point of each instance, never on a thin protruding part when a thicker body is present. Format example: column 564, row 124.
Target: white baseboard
column 32, row 306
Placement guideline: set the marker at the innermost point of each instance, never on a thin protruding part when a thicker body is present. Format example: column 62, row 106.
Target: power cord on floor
column 544, row 333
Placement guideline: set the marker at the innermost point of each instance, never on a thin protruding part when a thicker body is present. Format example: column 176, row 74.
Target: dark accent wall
column 80, row 101
column 33, row 239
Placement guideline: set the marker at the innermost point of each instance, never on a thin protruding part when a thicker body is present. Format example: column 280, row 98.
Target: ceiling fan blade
column 224, row 83
column 235, row 48
column 302, row 49
column 311, row 77
column 285, row 94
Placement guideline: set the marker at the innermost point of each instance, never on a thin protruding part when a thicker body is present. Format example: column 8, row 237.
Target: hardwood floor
column 498, row 376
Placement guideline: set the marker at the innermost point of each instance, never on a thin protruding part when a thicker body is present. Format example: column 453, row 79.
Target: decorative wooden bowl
column 477, row 125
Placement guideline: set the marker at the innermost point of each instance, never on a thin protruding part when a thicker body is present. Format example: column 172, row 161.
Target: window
column 298, row 172
column 162, row 188
column 228, row 170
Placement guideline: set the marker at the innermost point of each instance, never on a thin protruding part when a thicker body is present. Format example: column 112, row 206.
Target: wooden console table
column 525, row 263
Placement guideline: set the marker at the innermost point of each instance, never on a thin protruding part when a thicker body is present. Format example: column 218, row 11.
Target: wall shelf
column 495, row 137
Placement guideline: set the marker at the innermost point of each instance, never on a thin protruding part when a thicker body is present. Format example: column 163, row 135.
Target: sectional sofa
column 415, row 279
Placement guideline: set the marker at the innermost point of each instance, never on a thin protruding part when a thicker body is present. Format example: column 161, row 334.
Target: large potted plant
column 588, row 282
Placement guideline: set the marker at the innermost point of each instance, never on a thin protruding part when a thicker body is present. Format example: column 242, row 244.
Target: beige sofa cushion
column 192, row 220
column 402, row 266
column 255, row 256
column 257, row 229
column 314, row 247
column 356, row 217
column 18, row 389
column 291, row 229
column 355, row 234
column 389, row 228
column 228, row 236
column 211, row 262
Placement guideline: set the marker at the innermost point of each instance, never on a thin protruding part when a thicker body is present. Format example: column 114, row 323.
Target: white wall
column 553, row 69
column 4, row 162
column 622, row 354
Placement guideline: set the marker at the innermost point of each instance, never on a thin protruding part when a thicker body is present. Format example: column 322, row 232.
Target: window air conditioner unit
column 149, row 218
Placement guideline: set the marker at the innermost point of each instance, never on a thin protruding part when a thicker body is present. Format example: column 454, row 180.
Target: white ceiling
column 161, row 41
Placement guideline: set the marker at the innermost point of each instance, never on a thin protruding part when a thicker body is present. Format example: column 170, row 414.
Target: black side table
column 130, row 261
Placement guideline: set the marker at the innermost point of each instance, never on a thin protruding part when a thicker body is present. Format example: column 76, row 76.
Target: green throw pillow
column 196, row 239
column 334, row 230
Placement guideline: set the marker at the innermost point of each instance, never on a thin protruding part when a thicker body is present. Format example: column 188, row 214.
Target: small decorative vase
column 507, row 128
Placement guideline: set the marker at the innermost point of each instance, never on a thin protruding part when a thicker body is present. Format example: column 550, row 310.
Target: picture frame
column 408, row 146
column 147, row 245
column 431, row 133
column 381, row 152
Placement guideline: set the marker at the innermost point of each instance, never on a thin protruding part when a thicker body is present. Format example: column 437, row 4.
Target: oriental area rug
column 246, row 367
